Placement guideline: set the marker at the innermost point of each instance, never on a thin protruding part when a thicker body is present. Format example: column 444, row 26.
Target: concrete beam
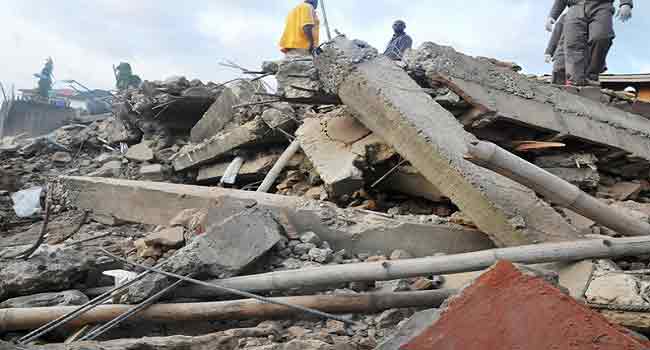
column 385, row 99
column 255, row 132
column 513, row 97
column 357, row 231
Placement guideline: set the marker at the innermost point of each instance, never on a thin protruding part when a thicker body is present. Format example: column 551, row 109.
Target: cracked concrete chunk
column 610, row 285
column 221, row 113
column 227, row 247
column 140, row 153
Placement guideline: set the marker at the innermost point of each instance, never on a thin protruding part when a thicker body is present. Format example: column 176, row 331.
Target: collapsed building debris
column 391, row 104
column 369, row 191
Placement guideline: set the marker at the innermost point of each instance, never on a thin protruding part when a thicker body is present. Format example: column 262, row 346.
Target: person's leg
column 601, row 37
column 576, row 36
column 559, row 64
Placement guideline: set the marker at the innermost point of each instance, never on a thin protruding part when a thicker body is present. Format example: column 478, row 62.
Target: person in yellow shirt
column 302, row 30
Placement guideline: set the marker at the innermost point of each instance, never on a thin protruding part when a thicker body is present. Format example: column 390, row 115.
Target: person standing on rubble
column 399, row 43
column 588, row 34
column 301, row 35
column 555, row 52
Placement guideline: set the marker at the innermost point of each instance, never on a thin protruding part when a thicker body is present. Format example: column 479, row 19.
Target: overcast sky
column 162, row 38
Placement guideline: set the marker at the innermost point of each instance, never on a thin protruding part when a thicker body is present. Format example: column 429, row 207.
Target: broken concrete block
column 217, row 117
column 65, row 298
column 51, row 269
column 514, row 310
column 408, row 180
column 610, row 286
column 279, row 115
column 140, row 153
column 147, row 250
column 586, row 178
column 169, row 238
column 623, row 191
column 506, row 98
column 252, row 168
column 581, row 223
column 107, row 220
column 223, row 251
column 435, row 143
column 335, row 152
column 110, row 169
column 153, row 172
column 107, row 157
column 254, row 132
column 61, row 157
column 356, row 231
column 299, row 72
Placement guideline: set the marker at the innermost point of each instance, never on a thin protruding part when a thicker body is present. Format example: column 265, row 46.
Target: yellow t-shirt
column 294, row 36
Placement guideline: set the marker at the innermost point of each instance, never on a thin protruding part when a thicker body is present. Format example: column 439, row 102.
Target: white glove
column 624, row 13
column 550, row 22
column 548, row 58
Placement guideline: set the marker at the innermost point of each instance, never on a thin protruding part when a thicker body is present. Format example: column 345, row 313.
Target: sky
column 164, row 38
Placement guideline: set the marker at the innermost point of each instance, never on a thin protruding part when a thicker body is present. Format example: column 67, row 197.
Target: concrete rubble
column 381, row 179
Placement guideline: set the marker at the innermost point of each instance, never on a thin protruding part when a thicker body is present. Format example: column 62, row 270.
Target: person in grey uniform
column 588, row 35
column 399, row 43
column 555, row 52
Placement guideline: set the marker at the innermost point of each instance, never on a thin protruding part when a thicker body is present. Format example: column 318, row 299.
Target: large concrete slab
column 216, row 118
column 357, row 231
column 394, row 107
column 502, row 94
column 514, row 310
column 220, row 144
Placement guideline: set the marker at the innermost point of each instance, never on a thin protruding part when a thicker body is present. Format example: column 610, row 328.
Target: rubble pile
column 383, row 213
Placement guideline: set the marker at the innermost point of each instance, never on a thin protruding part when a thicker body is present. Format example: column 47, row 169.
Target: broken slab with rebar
column 391, row 104
column 356, row 231
column 258, row 132
column 511, row 107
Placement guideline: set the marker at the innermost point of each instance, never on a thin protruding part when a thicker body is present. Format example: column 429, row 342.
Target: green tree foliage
column 45, row 80
column 125, row 78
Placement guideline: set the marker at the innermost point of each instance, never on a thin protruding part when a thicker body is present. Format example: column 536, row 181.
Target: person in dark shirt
column 399, row 43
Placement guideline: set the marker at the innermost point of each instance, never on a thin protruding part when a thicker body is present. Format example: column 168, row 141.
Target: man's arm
column 309, row 33
column 559, row 6
column 406, row 43
column 555, row 37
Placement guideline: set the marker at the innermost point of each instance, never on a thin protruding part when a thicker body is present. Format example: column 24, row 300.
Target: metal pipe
column 555, row 189
column 143, row 305
column 234, row 291
column 50, row 326
column 327, row 24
